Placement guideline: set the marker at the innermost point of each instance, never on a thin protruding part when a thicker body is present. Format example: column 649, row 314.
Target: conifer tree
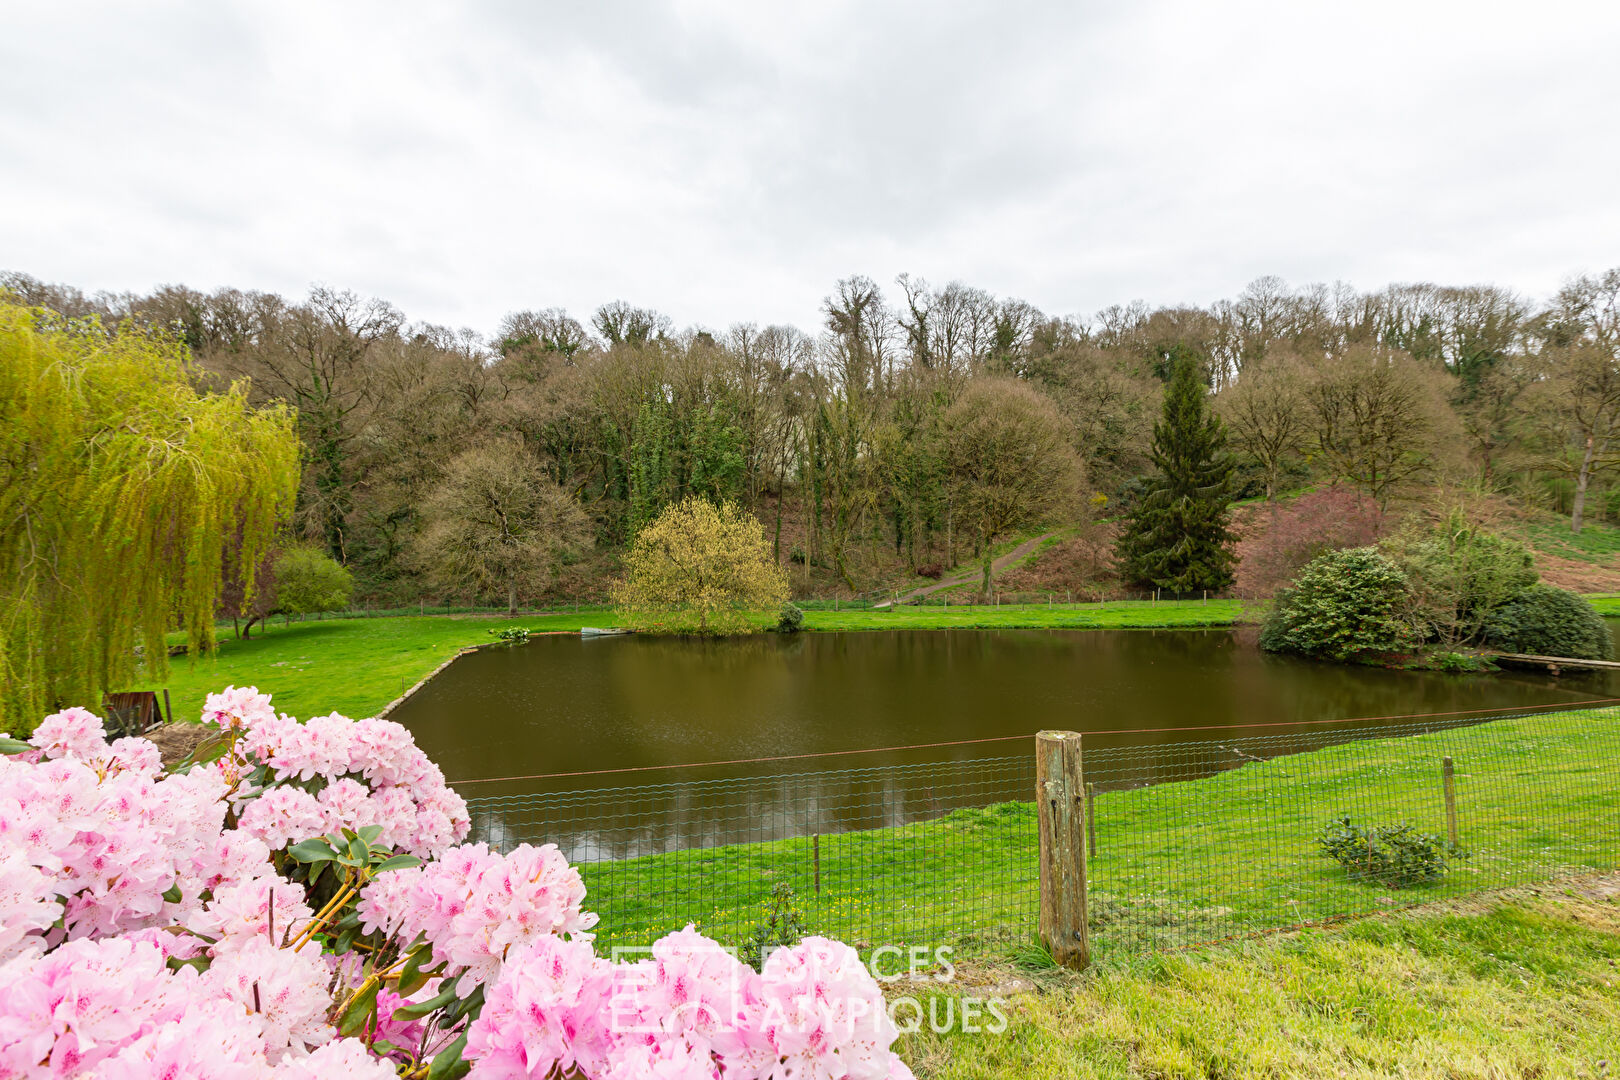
column 1178, row 536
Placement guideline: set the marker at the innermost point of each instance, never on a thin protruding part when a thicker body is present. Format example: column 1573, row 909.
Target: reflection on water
column 561, row 704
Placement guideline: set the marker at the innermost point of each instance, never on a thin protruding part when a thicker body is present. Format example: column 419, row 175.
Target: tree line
column 916, row 427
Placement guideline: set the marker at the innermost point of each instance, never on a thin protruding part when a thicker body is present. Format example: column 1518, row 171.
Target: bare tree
column 1582, row 358
column 1373, row 421
column 1265, row 412
column 495, row 522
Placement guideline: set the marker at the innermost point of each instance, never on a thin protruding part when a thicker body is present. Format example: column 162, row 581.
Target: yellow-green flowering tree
column 125, row 498
column 700, row 569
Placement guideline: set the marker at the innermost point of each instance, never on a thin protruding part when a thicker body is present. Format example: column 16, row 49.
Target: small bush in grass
column 790, row 620
column 515, row 635
column 1549, row 621
column 1395, row 856
column 782, row 928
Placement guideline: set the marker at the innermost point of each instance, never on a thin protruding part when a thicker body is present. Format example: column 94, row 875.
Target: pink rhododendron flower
column 285, row 815
column 28, row 905
column 63, row 1012
column 112, row 870
column 285, row 993
column 543, row 1013
column 341, row 1059
column 240, row 912
column 821, row 1014
column 135, row 755
column 209, row 1041
column 473, row 904
column 71, row 733
column 237, row 708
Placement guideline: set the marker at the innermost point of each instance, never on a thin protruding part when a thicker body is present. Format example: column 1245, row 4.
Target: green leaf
column 396, row 862
column 172, row 894
column 369, row 833
column 411, row 978
column 467, row 1006
column 345, row 940
column 447, row 1063
column 431, row 1005
column 8, row 745
column 309, row 851
column 359, row 852
column 359, row 1010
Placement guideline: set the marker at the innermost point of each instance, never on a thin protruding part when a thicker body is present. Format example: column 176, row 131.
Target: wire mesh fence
column 1191, row 841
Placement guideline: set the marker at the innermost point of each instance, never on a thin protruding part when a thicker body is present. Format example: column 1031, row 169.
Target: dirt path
column 1022, row 551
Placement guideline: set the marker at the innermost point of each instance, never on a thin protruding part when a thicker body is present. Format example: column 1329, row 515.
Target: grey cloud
column 726, row 162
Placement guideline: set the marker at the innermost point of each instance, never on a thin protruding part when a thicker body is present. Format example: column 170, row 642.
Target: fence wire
column 1193, row 841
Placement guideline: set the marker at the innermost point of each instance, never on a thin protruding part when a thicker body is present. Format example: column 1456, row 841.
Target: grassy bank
column 1519, row 985
column 358, row 665
column 1113, row 615
column 1177, row 863
column 351, row 666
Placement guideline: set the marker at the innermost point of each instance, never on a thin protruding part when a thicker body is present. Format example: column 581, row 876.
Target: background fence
column 1192, row 841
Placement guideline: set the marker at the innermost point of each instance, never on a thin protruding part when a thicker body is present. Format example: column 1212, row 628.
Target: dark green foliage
column 1395, row 856
column 1549, row 621
column 512, row 635
column 1177, row 536
column 1344, row 605
column 1457, row 573
column 791, row 619
column 782, row 928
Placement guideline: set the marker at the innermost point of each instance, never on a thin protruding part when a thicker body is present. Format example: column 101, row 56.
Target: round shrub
column 791, row 619
column 1548, row 621
column 1343, row 605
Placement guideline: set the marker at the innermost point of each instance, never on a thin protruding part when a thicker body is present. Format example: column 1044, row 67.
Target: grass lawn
column 1113, row 615
column 1607, row 605
column 358, row 665
column 1518, row 985
column 1177, row 863
column 352, row 666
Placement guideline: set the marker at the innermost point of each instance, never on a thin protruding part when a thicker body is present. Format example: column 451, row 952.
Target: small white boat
column 597, row 631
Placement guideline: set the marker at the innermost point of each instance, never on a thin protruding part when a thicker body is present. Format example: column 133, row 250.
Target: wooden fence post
column 1449, row 781
column 1060, row 799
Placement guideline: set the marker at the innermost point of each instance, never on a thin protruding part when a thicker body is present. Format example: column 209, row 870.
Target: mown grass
column 351, row 666
column 1113, row 615
column 358, row 665
column 1521, row 985
column 1177, row 863
column 1607, row 605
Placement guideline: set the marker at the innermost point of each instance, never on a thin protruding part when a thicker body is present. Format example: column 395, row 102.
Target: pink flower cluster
column 142, row 938
column 473, row 905
column 112, row 1010
column 80, row 734
column 369, row 772
column 98, row 850
column 691, row 1011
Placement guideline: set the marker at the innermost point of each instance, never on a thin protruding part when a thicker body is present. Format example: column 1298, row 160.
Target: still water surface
column 562, row 704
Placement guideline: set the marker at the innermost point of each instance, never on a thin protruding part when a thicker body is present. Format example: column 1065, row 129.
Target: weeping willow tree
column 126, row 497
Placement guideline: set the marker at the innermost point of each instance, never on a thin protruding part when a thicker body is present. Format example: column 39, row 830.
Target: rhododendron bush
column 297, row 903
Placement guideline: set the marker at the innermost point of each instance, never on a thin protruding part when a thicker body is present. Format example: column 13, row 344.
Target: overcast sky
column 730, row 161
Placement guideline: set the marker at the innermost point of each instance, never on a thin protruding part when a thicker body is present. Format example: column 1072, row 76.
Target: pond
column 561, row 704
